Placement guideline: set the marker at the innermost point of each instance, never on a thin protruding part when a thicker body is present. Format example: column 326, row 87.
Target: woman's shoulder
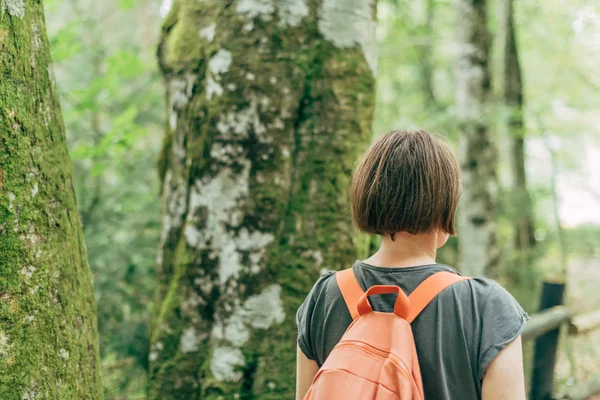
column 502, row 320
column 323, row 303
column 324, row 286
column 490, row 293
column 326, row 281
column 486, row 301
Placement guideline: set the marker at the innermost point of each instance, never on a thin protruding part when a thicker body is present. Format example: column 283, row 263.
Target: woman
column 406, row 190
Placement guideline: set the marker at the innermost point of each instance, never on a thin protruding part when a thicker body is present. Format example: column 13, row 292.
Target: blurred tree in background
column 541, row 113
column 512, row 86
column 479, row 253
column 519, row 256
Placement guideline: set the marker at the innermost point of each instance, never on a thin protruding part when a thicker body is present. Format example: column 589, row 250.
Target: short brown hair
column 407, row 181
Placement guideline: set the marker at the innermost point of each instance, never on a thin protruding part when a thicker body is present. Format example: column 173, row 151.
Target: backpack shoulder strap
column 428, row 290
column 351, row 290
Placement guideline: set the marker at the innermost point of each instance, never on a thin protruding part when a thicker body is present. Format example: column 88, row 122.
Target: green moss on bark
column 48, row 328
column 261, row 153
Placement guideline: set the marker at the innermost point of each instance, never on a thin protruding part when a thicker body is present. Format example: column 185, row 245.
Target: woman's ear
column 442, row 238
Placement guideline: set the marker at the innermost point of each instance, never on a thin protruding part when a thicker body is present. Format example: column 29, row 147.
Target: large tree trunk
column 269, row 104
column 524, row 238
column 478, row 153
column 48, row 331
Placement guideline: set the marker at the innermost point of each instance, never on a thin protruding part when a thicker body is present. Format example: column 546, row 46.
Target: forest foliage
column 112, row 99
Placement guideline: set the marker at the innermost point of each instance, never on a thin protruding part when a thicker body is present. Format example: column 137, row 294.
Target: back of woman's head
column 407, row 181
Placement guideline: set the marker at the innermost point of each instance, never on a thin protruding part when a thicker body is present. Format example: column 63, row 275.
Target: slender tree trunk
column 478, row 153
column 425, row 54
column 563, row 272
column 48, row 329
column 269, row 104
column 524, row 238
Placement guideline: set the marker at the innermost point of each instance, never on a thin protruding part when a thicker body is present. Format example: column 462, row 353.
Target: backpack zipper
column 370, row 349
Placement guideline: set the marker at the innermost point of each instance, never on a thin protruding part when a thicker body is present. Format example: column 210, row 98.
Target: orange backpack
column 376, row 359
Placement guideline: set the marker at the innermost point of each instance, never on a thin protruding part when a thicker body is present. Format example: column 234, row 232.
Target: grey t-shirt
column 457, row 335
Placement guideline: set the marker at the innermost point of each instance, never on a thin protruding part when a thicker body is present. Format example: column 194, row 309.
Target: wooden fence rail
column 544, row 327
column 545, row 321
column 585, row 323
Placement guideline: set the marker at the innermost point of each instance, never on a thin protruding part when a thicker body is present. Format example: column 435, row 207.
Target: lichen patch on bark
column 236, row 125
column 14, row 7
column 180, row 90
column 260, row 311
column 4, row 345
column 290, row 12
column 189, row 342
column 220, row 62
column 213, row 88
column 175, row 197
column 226, row 362
column 256, row 8
column 220, row 197
column 348, row 23
column 209, row 32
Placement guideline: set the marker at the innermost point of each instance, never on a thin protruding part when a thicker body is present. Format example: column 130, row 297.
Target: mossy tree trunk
column 269, row 104
column 48, row 330
column 524, row 238
column 479, row 253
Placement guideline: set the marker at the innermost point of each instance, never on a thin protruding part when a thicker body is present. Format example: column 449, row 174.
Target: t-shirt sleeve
column 303, row 332
column 306, row 314
column 502, row 321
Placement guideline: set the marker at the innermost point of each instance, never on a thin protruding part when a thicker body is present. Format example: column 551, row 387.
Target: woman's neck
column 406, row 250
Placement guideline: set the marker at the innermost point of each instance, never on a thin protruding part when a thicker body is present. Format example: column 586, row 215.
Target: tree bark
column 48, row 328
column 524, row 238
column 478, row 152
column 269, row 104
column 425, row 55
